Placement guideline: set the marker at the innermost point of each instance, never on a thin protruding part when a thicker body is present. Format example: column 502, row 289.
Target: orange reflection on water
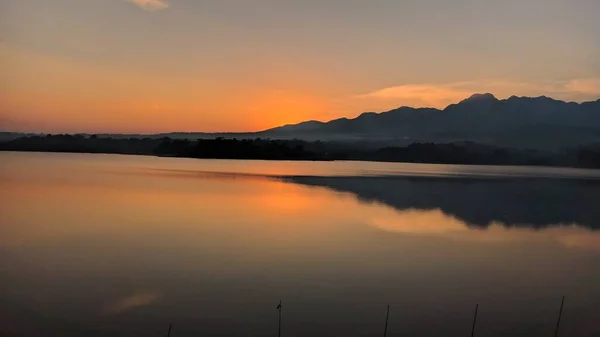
column 127, row 206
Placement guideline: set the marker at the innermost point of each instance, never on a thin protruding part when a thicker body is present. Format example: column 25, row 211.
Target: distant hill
column 523, row 122
column 8, row 136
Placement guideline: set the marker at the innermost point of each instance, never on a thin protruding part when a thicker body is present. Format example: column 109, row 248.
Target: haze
column 205, row 65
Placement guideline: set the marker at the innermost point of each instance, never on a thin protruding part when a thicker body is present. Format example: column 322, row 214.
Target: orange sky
column 163, row 66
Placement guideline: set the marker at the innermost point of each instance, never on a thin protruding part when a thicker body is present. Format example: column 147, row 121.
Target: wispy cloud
column 150, row 5
column 440, row 95
column 589, row 86
column 421, row 94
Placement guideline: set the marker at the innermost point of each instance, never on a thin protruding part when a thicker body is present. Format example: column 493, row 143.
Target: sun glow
column 273, row 108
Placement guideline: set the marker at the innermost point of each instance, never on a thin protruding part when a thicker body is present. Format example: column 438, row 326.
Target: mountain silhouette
column 524, row 122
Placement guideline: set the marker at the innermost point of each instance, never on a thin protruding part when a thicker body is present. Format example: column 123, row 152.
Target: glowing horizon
column 177, row 66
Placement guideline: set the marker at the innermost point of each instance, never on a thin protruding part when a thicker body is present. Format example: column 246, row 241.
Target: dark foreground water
column 102, row 245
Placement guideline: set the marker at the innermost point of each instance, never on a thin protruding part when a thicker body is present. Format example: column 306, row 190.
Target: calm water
column 103, row 245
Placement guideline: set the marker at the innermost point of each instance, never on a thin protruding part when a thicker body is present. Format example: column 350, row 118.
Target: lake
column 108, row 245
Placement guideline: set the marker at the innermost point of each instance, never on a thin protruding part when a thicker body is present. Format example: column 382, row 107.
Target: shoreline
column 533, row 165
column 470, row 172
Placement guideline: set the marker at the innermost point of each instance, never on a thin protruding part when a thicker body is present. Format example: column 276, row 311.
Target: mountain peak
column 367, row 114
column 481, row 97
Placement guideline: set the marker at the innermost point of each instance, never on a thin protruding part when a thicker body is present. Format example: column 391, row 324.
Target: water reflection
column 130, row 302
column 563, row 212
column 438, row 224
column 536, row 203
column 110, row 247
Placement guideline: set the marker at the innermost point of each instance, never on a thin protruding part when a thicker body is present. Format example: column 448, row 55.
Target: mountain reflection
column 483, row 203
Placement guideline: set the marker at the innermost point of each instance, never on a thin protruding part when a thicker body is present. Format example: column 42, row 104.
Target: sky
column 147, row 66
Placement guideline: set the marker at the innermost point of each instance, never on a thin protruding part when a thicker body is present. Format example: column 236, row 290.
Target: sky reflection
column 88, row 248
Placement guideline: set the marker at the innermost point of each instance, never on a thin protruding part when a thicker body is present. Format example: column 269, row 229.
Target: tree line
column 269, row 149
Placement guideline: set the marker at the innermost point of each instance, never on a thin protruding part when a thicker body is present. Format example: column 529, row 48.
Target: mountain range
column 522, row 122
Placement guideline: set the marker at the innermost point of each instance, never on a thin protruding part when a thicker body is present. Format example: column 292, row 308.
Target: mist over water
column 101, row 245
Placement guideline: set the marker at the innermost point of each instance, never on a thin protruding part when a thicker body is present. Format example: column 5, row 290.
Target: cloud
column 589, row 86
column 150, row 5
column 427, row 94
column 441, row 95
